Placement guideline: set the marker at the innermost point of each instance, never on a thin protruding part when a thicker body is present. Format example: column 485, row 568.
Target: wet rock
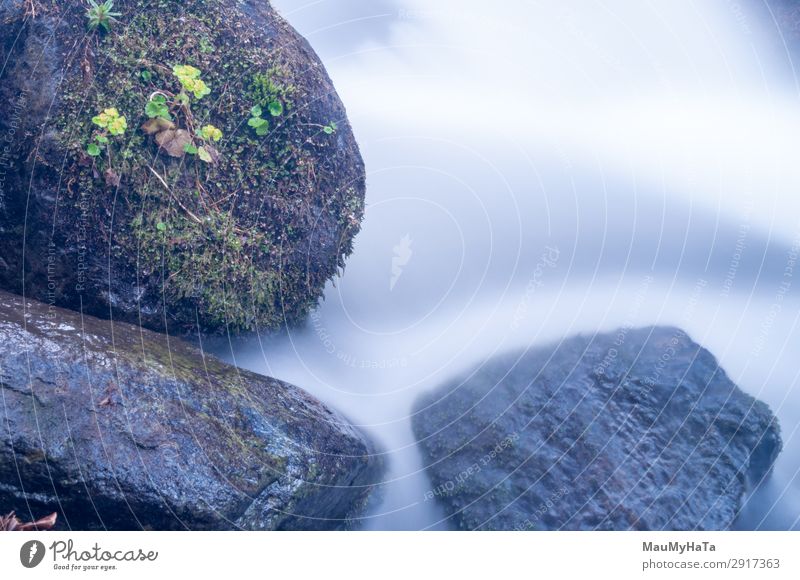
column 639, row 429
column 120, row 428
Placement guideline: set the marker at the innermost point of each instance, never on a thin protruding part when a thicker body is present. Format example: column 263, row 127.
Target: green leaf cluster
column 271, row 95
column 111, row 123
column 100, row 16
column 157, row 106
column 111, row 120
column 257, row 122
column 190, row 80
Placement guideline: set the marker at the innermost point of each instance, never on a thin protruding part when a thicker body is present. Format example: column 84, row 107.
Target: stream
column 557, row 213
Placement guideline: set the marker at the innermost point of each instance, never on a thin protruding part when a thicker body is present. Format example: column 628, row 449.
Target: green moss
column 212, row 261
column 228, row 225
column 272, row 86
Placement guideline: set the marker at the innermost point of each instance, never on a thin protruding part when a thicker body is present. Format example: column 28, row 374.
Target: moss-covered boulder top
column 119, row 428
column 171, row 163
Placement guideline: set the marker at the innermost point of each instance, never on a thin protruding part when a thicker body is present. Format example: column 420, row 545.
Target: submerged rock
column 635, row 430
column 241, row 232
column 118, row 428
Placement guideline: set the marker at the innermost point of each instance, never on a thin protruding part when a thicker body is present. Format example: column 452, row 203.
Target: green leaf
column 185, row 70
column 328, row 130
column 93, row 150
column 147, row 76
column 101, row 139
column 161, row 227
column 152, row 109
column 262, row 130
column 275, row 108
column 204, row 155
column 190, row 149
column 256, row 122
column 159, row 98
column 210, row 133
column 157, row 108
column 256, row 111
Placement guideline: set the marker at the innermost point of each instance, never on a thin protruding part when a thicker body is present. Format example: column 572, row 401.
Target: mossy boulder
column 115, row 427
column 143, row 227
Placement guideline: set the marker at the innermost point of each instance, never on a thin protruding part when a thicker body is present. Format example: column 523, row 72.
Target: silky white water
column 538, row 171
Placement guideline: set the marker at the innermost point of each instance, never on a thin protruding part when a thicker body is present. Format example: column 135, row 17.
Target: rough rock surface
column 121, row 428
column 147, row 238
column 639, row 429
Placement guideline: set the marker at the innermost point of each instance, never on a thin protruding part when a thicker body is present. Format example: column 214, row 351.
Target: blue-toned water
column 537, row 171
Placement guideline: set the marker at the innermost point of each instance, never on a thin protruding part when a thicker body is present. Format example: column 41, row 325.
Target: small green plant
column 161, row 102
column 328, row 129
column 111, row 123
column 94, row 148
column 101, row 16
column 206, row 46
column 257, row 122
column 157, row 107
column 190, row 80
column 163, row 106
column 271, row 94
column 205, row 151
column 210, row 133
column 111, row 119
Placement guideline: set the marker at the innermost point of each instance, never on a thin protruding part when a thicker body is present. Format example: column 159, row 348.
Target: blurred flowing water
column 625, row 165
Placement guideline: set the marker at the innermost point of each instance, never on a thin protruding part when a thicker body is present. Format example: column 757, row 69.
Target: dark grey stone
column 120, row 428
column 639, row 429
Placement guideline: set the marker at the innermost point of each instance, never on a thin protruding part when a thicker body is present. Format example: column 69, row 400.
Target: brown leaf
column 156, row 125
column 45, row 523
column 173, row 141
column 11, row 523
